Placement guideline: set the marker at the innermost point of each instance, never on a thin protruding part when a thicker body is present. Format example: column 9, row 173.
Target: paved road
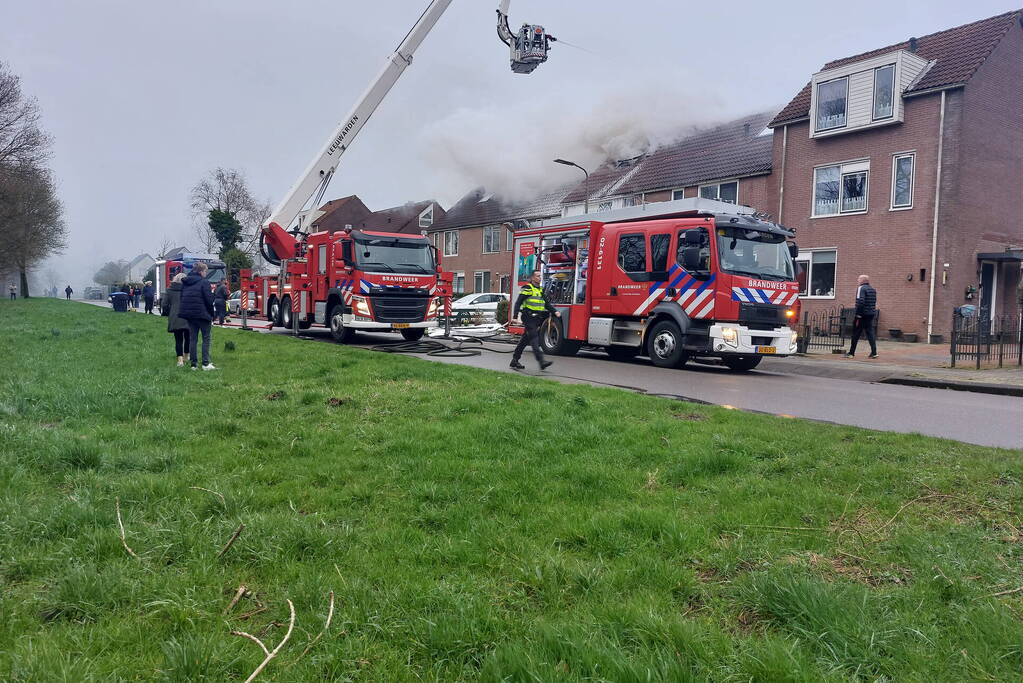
column 974, row 418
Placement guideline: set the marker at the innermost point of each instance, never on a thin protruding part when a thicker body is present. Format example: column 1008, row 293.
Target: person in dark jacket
column 149, row 293
column 220, row 296
column 136, row 293
column 197, row 309
column 68, row 292
column 866, row 314
column 535, row 309
column 170, row 306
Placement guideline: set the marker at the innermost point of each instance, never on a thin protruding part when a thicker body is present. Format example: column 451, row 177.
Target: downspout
column 934, row 226
column 781, row 171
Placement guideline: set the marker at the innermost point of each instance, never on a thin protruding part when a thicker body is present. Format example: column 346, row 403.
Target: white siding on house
column 860, row 98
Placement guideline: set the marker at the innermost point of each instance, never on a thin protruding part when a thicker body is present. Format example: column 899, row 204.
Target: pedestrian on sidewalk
column 149, row 293
column 68, row 292
column 535, row 309
column 13, row 292
column 137, row 293
column 866, row 315
column 197, row 309
column 220, row 297
column 170, row 306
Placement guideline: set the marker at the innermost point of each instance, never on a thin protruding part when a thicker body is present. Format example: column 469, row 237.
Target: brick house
column 904, row 163
column 412, row 217
column 729, row 162
column 475, row 242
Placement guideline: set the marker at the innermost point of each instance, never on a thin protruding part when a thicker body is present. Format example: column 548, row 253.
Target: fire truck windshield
column 394, row 255
column 755, row 253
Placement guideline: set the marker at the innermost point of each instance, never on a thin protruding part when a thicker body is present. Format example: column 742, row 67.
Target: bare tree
column 225, row 189
column 31, row 219
column 111, row 273
column 21, row 139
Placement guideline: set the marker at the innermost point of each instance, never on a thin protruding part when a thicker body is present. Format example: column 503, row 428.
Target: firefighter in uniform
column 534, row 313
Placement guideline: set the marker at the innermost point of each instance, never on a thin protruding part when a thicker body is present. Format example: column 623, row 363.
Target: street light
column 586, row 182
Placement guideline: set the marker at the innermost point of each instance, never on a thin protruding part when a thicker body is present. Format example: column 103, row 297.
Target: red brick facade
column 472, row 259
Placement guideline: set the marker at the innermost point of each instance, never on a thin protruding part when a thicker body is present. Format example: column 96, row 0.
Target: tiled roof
column 605, row 180
column 479, row 207
column 956, row 53
column 404, row 218
column 730, row 150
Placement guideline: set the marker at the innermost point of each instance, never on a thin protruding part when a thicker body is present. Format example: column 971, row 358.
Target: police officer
column 534, row 313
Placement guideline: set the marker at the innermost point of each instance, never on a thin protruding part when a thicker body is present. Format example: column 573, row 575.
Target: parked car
column 483, row 304
column 234, row 303
column 93, row 293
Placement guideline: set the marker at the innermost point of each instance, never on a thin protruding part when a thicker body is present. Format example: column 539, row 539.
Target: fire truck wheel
column 414, row 334
column 336, row 321
column 664, row 345
column 552, row 339
column 741, row 363
column 286, row 313
column 275, row 312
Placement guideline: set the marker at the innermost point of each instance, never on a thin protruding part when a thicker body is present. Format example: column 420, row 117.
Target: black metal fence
column 825, row 329
column 986, row 342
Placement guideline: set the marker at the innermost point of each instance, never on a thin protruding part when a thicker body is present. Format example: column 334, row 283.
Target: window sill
column 840, row 215
column 811, row 298
column 490, row 252
column 900, row 208
column 450, row 255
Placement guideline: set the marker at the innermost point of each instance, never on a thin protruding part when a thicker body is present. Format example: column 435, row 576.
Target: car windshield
column 754, row 253
column 216, row 273
column 394, row 255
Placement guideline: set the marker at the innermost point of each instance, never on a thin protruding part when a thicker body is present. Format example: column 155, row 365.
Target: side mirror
column 793, row 249
column 691, row 258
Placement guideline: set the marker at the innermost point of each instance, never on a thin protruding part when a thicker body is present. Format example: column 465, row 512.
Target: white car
column 484, row 304
column 234, row 303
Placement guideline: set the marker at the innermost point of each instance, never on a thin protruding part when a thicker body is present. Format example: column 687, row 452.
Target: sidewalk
column 899, row 363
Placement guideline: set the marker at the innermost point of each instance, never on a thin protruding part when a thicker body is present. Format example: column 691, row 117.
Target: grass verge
column 472, row 525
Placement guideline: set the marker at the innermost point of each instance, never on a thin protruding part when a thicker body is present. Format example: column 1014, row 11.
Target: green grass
column 472, row 525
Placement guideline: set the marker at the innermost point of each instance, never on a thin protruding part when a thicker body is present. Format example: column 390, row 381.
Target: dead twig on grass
column 238, row 595
column 1008, row 592
column 270, row 654
column 230, row 542
column 120, row 524
column 330, row 616
column 218, row 495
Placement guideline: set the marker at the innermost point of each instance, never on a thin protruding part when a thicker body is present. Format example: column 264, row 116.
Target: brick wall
column 471, row 258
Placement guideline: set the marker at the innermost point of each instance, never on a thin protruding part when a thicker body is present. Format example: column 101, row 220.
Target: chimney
column 912, row 44
column 745, row 129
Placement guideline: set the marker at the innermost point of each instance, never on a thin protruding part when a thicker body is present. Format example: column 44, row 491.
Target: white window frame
column 699, row 190
column 912, row 181
column 458, row 275
column 806, row 256
column 456, row 240
column 817, row 102
column 426, row 217
column 510, row 239
column 681, row 192
column 873, row 94
column 844, row 168
column 491, row 229
column 478, row 276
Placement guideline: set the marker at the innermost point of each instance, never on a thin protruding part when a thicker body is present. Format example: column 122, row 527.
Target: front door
column 988, row 281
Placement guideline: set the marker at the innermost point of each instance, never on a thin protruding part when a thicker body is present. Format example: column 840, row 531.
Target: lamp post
column 586, row 182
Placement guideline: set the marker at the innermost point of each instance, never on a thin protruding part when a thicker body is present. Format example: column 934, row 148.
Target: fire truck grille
column 399, row 309
column 761, row 316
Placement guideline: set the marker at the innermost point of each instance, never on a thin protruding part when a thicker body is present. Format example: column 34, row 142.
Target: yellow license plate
column 399, row 326
column 767, row 349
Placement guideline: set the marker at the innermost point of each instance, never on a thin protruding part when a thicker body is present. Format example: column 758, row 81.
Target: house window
column 426, row 217
column 831, row 103
column 678, row 194
column 481, row 281
column 816, row 274
column 902, row 181
column 884, row 92
column 458, row 284
column 451, row 243
column 504, row 284
column 604, row 206
column 491, row 239
column 722, row 192
column 632, row 253
column 635, row 200
column 840, row 189
column 511, row 237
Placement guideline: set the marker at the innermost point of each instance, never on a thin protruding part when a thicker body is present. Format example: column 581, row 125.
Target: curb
column 976, row 387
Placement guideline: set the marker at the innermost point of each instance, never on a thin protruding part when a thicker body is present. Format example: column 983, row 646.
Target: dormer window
column 884, row 92
column 832, row 98
column 426, row 217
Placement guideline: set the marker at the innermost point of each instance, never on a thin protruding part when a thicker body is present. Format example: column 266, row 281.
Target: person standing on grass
column 14, row 292
column 138, row 295
column 149, row 293
column 68, row 292
column 220, row 296
column 170, row 306
column 197, row 309
column 866, row 314
column 535, row 310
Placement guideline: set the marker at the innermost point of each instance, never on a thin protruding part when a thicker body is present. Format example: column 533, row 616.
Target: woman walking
column 170, row 306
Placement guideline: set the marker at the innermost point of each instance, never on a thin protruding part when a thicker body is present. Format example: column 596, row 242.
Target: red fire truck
column 674, row 281
column 166, row 270
column 348, row 280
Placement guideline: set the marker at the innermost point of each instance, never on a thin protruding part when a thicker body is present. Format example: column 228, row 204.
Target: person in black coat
column 220, row 296
column 170, row 306
column 197, row 309
column 866, row 314
column 149, row 293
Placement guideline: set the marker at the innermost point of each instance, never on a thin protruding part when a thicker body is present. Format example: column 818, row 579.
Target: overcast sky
column 144, row 97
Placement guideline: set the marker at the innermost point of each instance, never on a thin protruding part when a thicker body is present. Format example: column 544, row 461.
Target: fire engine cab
column 692, row 278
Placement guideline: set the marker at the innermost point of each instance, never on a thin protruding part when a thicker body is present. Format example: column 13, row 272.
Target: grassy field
column 471, row 525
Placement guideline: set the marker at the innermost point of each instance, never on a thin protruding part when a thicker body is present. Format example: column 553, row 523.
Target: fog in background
column 143, row 98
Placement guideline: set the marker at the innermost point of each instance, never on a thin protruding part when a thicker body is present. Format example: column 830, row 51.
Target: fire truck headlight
column 730, row 335
column 434, row 305
column 789, row 313
column 360, row 306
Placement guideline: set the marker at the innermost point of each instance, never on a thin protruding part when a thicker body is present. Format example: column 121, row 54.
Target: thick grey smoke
column 509, row 149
